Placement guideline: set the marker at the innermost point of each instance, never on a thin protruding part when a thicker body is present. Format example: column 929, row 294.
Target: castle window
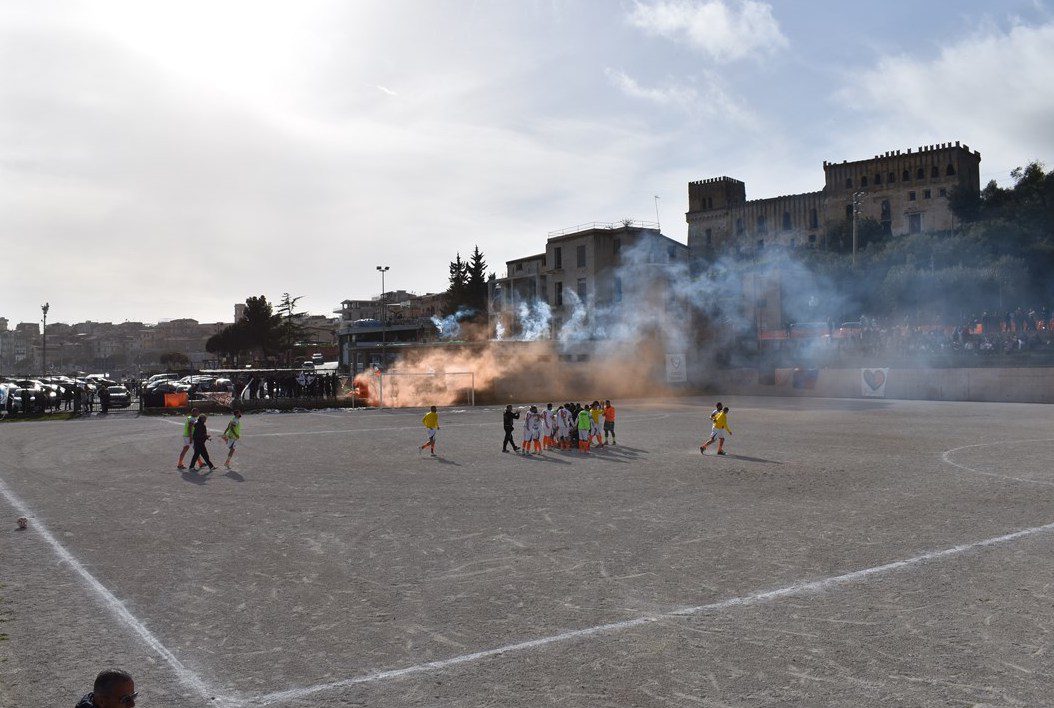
column 814, row 221
column 935, row 171
column 786, row 221
column 559, row 254
column 848, row 212
column 739, row 227
column 891, row 178
column 848, row 182
column 863, row 181
column 709, row 237
column 812, row 238
column 943, row 192
column 618, row 289
column 926, row 194
column 911, row 196
column 906, row 176
column 709, row 202
column 878, row 178
column 762, row 224
column 885, row 210
column 920, row 173
column 950, row 172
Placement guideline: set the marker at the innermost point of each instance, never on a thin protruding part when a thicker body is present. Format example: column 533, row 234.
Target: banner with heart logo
column 873, row 382
column 676, row 370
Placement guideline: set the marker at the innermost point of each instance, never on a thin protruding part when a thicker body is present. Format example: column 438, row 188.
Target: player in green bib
column 188, row 429
column 585, row 422
column 231, row 435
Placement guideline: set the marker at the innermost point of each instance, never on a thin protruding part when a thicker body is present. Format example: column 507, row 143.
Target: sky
column 168, row 159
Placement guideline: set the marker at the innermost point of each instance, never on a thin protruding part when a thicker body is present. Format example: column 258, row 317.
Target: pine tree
column 477, row 283
column 458, row 291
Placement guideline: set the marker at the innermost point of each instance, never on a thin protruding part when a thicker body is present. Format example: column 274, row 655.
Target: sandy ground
column 340, row 566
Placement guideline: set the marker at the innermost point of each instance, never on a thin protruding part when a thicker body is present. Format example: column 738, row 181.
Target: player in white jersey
column 529, row 429
column 548, row 426
column 563, row 421
column 537, row 429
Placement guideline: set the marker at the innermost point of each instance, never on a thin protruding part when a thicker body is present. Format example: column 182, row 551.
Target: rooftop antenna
column 657, row 224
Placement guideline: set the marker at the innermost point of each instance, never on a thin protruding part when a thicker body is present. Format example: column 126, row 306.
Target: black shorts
column 609, row 426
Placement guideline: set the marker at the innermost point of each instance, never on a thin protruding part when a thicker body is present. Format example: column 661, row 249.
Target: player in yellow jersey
column 231, row 435
column 721, row 429
column 431, row 423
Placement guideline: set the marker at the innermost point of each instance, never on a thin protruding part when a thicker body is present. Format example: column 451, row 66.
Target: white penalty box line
column 758, row 598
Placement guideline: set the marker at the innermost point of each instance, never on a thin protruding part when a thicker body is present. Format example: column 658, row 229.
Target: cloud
column 385, row 89
column 992, row 90
column 713, row 102
column 726, row 30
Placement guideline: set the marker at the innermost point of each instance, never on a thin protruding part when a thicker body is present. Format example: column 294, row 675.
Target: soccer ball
column 23, row 522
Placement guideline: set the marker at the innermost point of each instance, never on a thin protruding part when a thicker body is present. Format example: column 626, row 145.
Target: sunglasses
column 129, row 700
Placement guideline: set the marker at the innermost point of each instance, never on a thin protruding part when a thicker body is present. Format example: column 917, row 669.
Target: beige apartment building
column 583, row 264
column 905, row 191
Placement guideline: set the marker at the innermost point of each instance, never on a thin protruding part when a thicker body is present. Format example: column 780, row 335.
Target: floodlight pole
column 44, row 340
column 384, row 320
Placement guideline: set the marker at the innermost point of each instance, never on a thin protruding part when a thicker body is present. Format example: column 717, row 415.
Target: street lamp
column 384, row 320
column 44, row 339
column 856, row 213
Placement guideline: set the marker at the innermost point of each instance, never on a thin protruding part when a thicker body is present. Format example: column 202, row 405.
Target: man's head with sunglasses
column 113, row 689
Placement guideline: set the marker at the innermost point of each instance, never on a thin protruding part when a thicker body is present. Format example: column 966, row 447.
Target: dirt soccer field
column 846, row 553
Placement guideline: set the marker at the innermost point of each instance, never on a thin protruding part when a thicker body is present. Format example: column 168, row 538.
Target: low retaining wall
column 1016, row 385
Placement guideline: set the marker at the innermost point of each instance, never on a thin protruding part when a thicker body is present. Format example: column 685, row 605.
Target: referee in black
column 507, row 419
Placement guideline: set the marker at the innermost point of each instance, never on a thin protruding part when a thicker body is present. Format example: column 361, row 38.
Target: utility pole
column 856, row 213
column 44, row 340
column 384, row 320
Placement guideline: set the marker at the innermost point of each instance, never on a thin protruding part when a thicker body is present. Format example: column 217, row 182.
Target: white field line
column 946, row 457
column 730, row 603
column 188, row 677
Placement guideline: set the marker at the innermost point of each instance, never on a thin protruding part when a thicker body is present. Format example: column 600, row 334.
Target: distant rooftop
column 606, row 226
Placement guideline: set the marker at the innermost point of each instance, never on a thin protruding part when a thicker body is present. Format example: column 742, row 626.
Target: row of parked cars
column 34, row 396
column 155, row 388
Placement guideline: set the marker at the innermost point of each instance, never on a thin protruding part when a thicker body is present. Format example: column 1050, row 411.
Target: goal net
column 406, row 389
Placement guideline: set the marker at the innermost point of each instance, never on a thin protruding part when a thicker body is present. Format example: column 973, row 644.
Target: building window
column 709, row 235
column 786, row 221
column 906, row 176
column 559, row 256
column 891, row 178
column 950, row 172
column 709, row 202
column 812, row 238
column 885, row 210
column 848, row 182
column 914, row 223
column 761, row 244
column 582, row 289
column 739, row 227
column 580, row 255
column 558, row 294
column 814, row 221
column 920, row 173
column 935, row 171
column 618, row 289
column 616, row 245
column 926, row 194
column 519, row 267
column 863, row 181
column 671, row 252
column 943, row 192
column 762, row 224
column 878, row 179
column 911, row 196
column 848, row 212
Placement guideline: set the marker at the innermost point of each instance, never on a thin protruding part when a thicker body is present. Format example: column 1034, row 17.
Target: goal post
column 408, row 389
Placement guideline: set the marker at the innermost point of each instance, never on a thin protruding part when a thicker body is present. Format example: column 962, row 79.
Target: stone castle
column 906, row 192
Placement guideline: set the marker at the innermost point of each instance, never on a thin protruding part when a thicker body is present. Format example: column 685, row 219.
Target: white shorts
column 530, row 435
column 718, row 433
column 186, row 440
column 432, row 433
column 231, row 444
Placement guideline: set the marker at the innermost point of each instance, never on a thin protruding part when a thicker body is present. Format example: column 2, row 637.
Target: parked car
column 154, row 394
column 10, row 398
column 119, row 396
column 162, row 377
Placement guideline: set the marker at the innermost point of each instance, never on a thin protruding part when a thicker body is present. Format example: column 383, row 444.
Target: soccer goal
column 406, row 389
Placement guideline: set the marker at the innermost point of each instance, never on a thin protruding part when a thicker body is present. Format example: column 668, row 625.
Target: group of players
column 196, row 434
column 569, row 426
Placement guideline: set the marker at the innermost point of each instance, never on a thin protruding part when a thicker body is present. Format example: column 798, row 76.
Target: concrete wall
column 1031, row 385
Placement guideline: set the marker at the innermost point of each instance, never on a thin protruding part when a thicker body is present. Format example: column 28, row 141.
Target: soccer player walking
column 200, row 436
column 231, row 435
column 188, row 431
column 721, row 428
column 431, row 423
column 585, row 422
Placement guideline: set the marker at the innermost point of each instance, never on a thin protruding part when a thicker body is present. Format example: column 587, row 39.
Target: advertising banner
column 676, row 370
column 873, row 382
